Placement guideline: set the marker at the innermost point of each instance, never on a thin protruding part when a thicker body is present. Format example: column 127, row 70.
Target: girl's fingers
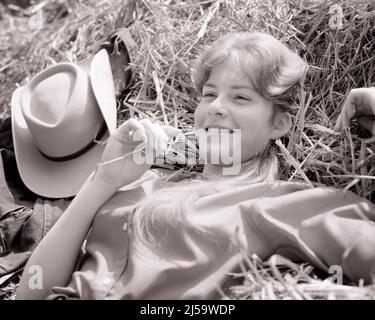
column 360, row 101
column 152, row 134
column 347, row 113
column 364, row 100
column 147, row 126
column 171, row 131
column 338, row 126
column 367, row 123
column 162, row 139
column 123, row 140
column 155, row 135
column 130, row 129
column 160, row 135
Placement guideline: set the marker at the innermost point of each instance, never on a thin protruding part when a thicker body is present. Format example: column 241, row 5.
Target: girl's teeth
column 218, row 130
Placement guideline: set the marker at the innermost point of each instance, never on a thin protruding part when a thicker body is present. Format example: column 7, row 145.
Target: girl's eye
column 208, row 95
column 242, row 98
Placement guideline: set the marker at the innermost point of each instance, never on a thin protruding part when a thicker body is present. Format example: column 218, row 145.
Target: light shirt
column 322, row 226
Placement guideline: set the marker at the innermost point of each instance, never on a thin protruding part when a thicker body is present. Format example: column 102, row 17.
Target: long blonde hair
column 273, row 70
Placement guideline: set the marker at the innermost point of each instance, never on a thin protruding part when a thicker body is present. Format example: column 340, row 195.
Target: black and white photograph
column 214, row 151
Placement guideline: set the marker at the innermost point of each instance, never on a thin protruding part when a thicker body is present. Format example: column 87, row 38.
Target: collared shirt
column 322, row 226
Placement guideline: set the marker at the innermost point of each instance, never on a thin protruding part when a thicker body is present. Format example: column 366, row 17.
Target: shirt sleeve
column 322, row 226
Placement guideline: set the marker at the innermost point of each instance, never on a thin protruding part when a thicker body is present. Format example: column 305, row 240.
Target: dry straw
column 169, row 36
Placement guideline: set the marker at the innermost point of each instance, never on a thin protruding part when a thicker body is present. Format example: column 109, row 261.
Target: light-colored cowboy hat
column 58, row 119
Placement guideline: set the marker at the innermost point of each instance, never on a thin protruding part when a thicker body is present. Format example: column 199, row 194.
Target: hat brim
column 99, row 70
column 53, row 179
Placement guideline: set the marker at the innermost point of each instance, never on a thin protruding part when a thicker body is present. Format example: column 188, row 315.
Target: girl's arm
column 53, row 261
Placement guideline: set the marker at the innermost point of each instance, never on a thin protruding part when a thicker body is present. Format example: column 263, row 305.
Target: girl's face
column 229, row 101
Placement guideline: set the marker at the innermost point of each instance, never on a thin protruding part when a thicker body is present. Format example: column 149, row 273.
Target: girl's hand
column 360, row 103
column 131, row 150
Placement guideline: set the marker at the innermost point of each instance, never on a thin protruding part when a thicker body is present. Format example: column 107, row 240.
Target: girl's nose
column 216, row 108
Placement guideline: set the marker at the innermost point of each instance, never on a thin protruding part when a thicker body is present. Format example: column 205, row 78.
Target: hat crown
column 61, row 111
column 50, row 97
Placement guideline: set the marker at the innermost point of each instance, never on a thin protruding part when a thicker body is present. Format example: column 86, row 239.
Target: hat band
column 74, row 155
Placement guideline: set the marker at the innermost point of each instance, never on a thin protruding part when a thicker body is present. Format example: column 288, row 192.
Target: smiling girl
column 154, row 239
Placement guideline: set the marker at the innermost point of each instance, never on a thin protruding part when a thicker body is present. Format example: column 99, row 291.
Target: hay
column 280, row 278
column 169, row 36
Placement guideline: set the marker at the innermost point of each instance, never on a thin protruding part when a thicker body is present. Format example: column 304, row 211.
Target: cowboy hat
column 57, row 120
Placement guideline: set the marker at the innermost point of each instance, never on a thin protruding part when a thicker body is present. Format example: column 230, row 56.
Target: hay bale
column 169, row 37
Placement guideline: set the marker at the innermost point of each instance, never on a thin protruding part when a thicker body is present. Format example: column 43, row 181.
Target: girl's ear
column 281, row 124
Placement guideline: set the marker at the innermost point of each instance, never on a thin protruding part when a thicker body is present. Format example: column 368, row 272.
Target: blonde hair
column 168, row 208
column 273, row 70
